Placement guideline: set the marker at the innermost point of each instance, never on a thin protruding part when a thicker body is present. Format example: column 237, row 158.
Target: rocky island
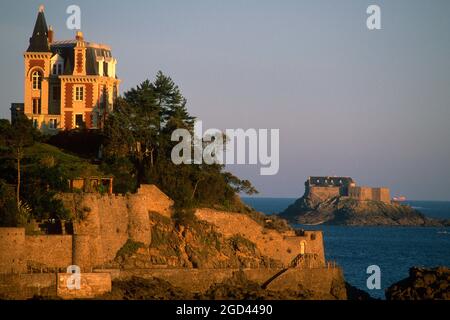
column 339, row 201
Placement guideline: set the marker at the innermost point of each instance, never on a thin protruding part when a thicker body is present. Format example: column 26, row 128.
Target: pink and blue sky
column 374, row 105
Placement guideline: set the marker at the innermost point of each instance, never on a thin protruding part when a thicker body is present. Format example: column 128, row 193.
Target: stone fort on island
column 322, row 188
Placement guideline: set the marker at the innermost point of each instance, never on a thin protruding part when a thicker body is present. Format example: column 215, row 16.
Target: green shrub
column 240, row 243
column 130, row 247
column 269, row 221
column 184, row 217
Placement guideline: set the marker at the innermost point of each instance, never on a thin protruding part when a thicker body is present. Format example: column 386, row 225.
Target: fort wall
column 113, row 216
column 323, row 188
column 271, row 243
column 323, row 193
column 139, row 228
column 12, row 245
column 381, row 194
column 108, row 221
column 313, row 241
column 102, row 226
column 27, row 285
column 369, row 194
column 82, row 255
column 325, row 283
column 19, row 252
column 49, row 251
column 360, row 193
column 91, row 285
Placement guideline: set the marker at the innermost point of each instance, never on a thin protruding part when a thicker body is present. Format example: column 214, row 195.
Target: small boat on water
column 399, row 198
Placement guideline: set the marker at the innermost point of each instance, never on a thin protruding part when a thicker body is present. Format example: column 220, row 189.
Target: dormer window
column 36, row 80
column 57, row 69
column 57, row 64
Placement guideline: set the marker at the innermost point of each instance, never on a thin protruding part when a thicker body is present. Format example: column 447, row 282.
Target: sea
column 393, row 249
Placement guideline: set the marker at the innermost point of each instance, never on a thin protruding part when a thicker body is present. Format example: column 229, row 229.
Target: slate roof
column 65, row 48
column 39, row 39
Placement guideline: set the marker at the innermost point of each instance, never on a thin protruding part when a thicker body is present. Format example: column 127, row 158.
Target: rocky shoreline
column 238, row 287
column 422, row 284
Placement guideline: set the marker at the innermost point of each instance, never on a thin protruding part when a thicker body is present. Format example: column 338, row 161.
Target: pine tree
column 140, row 129
column 172, row 104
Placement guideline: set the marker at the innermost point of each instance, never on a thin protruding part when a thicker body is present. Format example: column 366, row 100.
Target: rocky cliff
column 339, row 210
column 422, row 284
column 236, row 287
column 197, row 245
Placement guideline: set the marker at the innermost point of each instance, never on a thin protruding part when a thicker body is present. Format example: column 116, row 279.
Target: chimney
column 50, row 34
column 79, row 36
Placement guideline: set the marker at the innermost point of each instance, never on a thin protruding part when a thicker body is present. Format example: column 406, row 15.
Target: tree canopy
column 138, row 148
column 35, row 181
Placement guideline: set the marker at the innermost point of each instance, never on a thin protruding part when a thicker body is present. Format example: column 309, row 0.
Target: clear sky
column 374, row 105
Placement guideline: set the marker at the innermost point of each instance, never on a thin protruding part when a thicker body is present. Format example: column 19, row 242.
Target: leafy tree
column 36, row 180
column 16, row 137
column 124, row 174
column 43, row 179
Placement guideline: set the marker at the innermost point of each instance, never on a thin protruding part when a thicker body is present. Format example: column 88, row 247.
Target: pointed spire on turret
column 39, row 39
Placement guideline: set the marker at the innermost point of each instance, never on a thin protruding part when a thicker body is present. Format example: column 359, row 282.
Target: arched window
column 36, row 79
column 302, row 247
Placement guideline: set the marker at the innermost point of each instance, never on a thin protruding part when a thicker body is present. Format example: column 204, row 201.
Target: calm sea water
column 393, row 249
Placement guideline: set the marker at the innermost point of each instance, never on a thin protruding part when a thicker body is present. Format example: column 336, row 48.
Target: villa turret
column 68, row 84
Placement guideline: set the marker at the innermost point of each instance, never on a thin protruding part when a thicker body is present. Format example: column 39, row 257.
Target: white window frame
column 79, row 93
column 36, row 80
column 57, row 69
column 57, row 65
